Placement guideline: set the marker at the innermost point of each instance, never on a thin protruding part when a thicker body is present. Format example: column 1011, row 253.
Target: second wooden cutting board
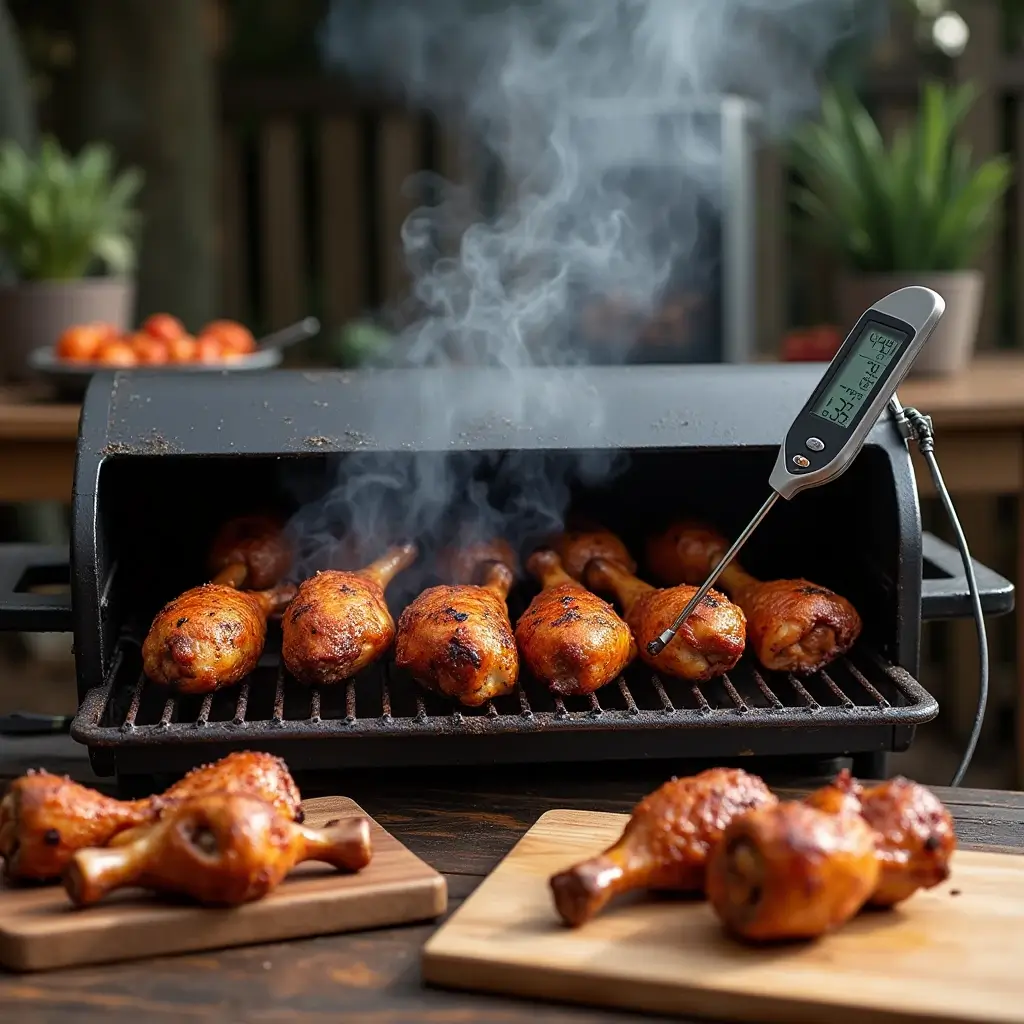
column 39, row 928
column 951, row 954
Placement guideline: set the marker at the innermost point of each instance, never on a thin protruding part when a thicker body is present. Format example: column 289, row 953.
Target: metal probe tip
column 655, row 647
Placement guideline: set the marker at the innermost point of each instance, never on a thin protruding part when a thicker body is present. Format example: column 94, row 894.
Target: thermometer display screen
column 865, row 366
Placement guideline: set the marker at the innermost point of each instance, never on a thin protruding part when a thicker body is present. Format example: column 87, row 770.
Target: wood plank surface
column 460, row 821
column 946, row 955
column 39, row 929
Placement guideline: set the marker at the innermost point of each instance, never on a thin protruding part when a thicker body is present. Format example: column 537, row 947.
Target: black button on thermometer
column 831, row 428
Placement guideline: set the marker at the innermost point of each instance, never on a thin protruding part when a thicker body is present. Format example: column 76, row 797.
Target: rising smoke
column 595, row 113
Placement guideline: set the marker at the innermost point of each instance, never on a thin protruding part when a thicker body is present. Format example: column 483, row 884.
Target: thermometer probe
column 831, row 428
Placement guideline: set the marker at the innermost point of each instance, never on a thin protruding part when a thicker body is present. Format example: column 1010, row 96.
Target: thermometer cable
column 918, row 427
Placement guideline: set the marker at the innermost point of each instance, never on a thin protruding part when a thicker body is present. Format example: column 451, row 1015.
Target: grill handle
column 23, row 568
column 945, row 595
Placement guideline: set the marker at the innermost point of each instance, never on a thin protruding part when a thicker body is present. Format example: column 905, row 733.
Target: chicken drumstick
column 794, row 625
column 223, row 850
column 45, row 818
column 339, row 621
column 577, row 547
column 210, row 637
column 665, row 844
column 457, row 639
column 462, row 563
column 916, row 837
column 569, row 637
column 709, row 642
column 791, row 871
column 251, row 552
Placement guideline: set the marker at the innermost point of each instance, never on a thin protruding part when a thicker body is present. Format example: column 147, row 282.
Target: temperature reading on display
column 865, row 366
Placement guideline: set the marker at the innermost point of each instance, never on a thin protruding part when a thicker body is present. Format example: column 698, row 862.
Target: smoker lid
column 463, row 409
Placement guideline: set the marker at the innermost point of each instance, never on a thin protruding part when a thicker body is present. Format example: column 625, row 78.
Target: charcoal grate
column 862, row 692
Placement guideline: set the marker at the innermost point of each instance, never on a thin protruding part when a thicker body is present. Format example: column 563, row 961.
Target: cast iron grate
column 128, row 711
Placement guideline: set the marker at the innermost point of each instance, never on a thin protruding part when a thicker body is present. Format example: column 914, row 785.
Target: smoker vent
column 269, row 708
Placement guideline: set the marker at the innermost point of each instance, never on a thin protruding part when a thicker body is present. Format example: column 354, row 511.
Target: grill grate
column 771, row 710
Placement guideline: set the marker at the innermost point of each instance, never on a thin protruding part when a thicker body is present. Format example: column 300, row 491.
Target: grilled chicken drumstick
column 250, row 552
column 791, row 871
column 709, row 642
column 665, row 844
column 916, row 837
column 570, row 638
column 339, row 621
column 210, row 637
column 577, row 547
column 457, row 639
column 793, row 625
column 461, row 563
column 222, row 850
column 45, row 818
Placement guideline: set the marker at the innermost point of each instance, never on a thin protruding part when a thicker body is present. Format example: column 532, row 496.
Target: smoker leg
column 135, row 787
column 871, row 766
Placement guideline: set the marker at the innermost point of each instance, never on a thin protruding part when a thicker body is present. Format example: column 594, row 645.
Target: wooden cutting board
column 955, row 953
column 39, row 928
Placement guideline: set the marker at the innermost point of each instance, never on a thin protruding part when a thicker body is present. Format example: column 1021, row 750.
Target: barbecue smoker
column 163, row 461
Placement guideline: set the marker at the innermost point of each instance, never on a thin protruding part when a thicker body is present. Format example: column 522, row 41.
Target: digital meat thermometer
column 831, row 428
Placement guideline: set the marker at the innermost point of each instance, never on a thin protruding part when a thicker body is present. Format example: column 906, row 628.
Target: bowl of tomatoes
column 161, row 343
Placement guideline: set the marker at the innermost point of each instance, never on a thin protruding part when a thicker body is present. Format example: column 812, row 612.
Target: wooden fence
column 315, row 191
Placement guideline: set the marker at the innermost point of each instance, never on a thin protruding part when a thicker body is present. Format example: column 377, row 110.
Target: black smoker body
column 163, row 460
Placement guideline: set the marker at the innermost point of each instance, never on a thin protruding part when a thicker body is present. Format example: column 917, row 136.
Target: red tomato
column 81, row 342
column 234, row 337
column 182, row 350
column 209, row 349
column 149, row 350
column 117, row 353
column 163, row 326
column 813, row 345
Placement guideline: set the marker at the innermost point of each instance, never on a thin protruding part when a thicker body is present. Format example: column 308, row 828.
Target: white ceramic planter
column 33, row 314
column 951, row 347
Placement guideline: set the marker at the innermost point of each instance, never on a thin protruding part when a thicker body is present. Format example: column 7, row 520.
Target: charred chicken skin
column 793, row 625
column 339, row 621
column 250, row 552
column 916, row 837
column 457, row 639
column 569, row 638
column 45, row 818
column 665, row 844
column 577, row 547
column 224, row 849
column 210, row 637
column 709, row 643
column 791, row 871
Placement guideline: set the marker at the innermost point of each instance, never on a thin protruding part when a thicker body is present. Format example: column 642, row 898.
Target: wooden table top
column 990, row 394
column 461, row 822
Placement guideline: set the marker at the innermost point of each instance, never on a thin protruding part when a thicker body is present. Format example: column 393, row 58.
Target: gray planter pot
column 33, row 314
column 950, row 348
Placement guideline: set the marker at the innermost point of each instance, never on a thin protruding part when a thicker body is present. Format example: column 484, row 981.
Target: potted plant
column 916, row 211
column 67, row 226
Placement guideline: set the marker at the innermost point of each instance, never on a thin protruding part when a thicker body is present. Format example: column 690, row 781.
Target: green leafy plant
column 63, row 217
column 918, row 204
